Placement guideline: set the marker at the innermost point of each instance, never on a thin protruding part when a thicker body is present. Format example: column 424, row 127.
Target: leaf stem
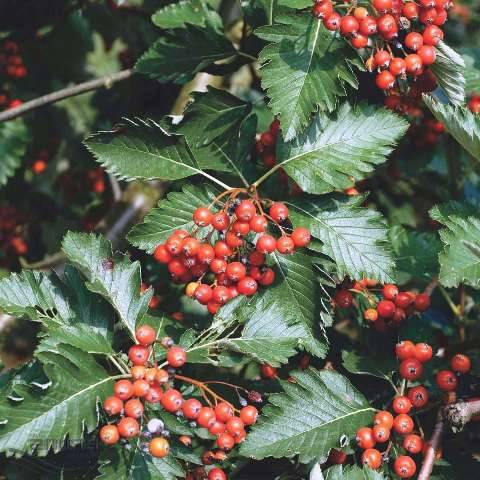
column 216, row 180
column 266, row 175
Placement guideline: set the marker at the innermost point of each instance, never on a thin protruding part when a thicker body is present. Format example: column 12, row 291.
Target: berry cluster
column 412, row 358
column 387, row 307
column 11, row 62
column 6, row 102
column 150, row 384
column 231, row 258
column 388, row 26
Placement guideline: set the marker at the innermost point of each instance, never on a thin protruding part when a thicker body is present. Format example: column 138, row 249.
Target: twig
column 433, row 447
column 102, row 82
column 456, row 416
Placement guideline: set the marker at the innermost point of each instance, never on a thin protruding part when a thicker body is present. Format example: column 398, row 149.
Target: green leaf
column 220, row 130
column 71, row 313
column 309, row 418
column 144, row 150
column 352, row 472
column 134, row 464
column 304, row 70
column 353, row 236
column 177, row 15
column 381, row 366
column 179, row 56
column 460, row 123
column 14, row 137
column 416, row 253
column 448, row 69
column 287, row 312
column 338, row 149
column 460, row 259
column 40, row 417
column 114, row 277
column 471, row 57
column 174, row 212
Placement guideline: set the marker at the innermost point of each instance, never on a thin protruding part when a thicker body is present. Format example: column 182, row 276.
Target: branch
column 432, row 449
column 102, row 82
column 456, row 416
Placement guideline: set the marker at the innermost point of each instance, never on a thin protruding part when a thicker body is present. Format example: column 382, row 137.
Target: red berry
column 249, row 415
column 140, row 388
column 364, row 438
column 267, row 277
column 432, row 35
column 245, row 210
column 418, row 396
column 401, row 404
column 370, row 314
column 413, row 443
column 411, row 369
column 235, row 271
column 428, row 56
column 382, row 59
column 174, row 245
column 216, row 474
column 404, row 300
column 268, row 371
column 190, row 247
column 202, row 216
column 403, row 424
column 109, row 434
column 384, row 417
column 381, row 433
column 128, row 427
column 222, row 250
column 385, row 80
column 241, row 228
column 247, row 286
column 427, row 15
column 372, row 458
column 343, row 298
column 172, row 400
column 382, row 5
column 422, row 301
column 203, row 293
column 446, row 380
column 205, row 254
column 386, row 308
column 337, row 457
column 145, row 335
column 332, row 21
column 225, row 441
column 223, row 411
column 191, row 408
column 217, row 428
column 232, row 240
column 138, row 354
column 218, row 265
column 154, row 395
column 220, row 221
column 206, row 417
column 301, row 236
column 266, row 244
column 349, row 24
column 176, row 357
column 460, row 363
column 113, row 405
column 322, row 9
column 285, row 245
column 387, row 24
column 389, row 291
column 368, row 26
column 359, row 41
column 410, row 10
column 413, row 41
column 258, row 223
column 279, row 212
column 159, row 447
column 423, row 352
column 399, row 315
column 413, row 63
column 221, row 295
column 235, row 426
column 404, row 466
column 360, row 13
column 134, row 408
